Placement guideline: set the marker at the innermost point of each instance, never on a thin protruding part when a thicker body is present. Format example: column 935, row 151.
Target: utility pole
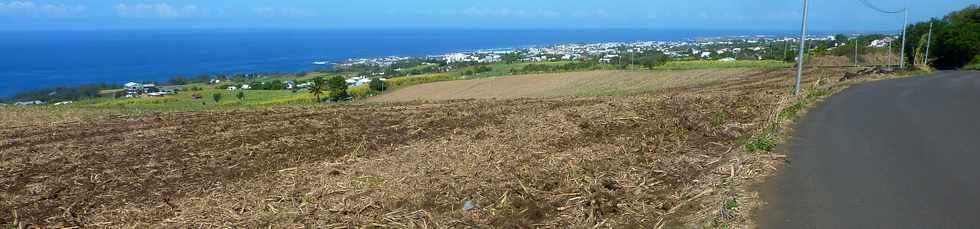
column 786, row 49
column 928, row 43
column 905, row 29
column 891, row 60
column 799, row 64
column 856, row 43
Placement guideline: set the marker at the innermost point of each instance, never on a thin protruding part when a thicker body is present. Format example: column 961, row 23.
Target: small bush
column 764, row 141
column 974, row 65
column 791, row 112
column 216, row 97
column 731, row 204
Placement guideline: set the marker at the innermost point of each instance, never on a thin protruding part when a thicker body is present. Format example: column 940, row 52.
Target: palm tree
column 318, row 87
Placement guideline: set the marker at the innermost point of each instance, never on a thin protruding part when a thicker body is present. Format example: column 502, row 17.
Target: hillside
column 660, row 159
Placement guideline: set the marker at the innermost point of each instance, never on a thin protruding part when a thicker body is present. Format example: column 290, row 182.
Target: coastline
column 189, row 56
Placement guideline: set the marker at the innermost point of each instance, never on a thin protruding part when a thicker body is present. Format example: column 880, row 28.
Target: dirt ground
column 652, row 160
column 561, row 84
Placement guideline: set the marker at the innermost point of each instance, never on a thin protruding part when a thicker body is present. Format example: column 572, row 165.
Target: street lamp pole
column 799, row 64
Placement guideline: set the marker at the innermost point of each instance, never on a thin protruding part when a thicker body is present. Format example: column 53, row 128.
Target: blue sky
column 833, row 15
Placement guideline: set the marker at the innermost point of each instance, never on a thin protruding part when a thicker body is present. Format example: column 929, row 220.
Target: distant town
column 756, row 47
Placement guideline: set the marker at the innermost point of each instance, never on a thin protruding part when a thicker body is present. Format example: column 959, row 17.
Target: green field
column 184, row 101
column 260, row 98
column 707, row 64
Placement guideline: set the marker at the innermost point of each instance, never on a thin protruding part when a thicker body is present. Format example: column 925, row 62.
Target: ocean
column 42, row 59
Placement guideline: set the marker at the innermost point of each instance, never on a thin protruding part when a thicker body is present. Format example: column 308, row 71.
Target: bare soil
column 660, row 159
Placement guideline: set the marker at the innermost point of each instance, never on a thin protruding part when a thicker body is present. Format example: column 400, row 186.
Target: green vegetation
column 955, row 42
column 241, row 96
column 706, row 64
column 338, row 88
column 763, row 141
column 200, row 100
column 648, row 60
column 377, row 84
column 318, row 87
column 547, row 68
column 408, row 81
column 478, row 70
column 766, row 139
column 731, row 204
column 974, row 65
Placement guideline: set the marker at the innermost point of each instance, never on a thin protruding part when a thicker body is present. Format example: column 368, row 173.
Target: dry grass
column 561, row 84
column 661, row 160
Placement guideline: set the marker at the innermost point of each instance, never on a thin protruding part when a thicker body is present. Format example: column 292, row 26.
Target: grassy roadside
column 762, row 159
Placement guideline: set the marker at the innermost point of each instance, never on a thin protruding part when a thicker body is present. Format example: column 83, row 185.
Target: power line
column 872, row 6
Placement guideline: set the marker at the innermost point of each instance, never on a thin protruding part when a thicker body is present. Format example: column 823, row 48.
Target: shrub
column 975, row 64
column 377, row 84
column 764, row 141
column 240, row 96
column 361, row 92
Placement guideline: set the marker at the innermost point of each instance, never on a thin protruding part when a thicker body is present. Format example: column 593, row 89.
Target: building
column 133, row 89
column 136, row 89
column 29, row 103
column 881, row 43
column 456, row 58
column 358, row 81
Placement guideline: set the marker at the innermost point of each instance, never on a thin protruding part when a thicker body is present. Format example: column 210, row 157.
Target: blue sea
column 43, row 59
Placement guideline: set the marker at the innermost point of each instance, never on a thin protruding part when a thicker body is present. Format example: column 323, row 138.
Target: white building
column 457, row 57
column 884, row 42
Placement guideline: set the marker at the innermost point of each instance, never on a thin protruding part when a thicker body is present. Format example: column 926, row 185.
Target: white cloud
column 598, row 13
column 29, row 8
column 162, row 10
column 281, row 12
column 507, row 12
column 480, row 12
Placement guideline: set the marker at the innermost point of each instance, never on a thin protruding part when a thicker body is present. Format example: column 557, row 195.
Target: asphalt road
column 901, row 153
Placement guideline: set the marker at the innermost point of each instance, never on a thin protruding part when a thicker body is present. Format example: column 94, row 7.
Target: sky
column 826, row 15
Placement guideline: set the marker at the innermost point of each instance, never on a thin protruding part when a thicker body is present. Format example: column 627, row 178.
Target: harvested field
column 561, row 84
column 652, row 160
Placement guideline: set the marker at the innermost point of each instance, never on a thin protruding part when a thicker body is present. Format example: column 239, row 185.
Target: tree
column 318, row 87
column 377, row 84
column 954, row 41
column 338, row 88
column 216, row 97
column 240, row 96
column 511, row 57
